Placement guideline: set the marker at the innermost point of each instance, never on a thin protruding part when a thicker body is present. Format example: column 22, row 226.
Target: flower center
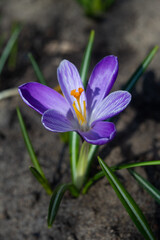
column 81, row 115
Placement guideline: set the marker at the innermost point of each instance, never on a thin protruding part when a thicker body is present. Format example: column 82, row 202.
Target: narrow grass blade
column 137, row 164
column 130, row 205
column 41, row 180
column 28, row 143
column 91, row 181
column 101, row 174
column 95, row 8
column 56, row 200
column 154, row 192
column 129, row 87
column 12, row 60
column 140, row 70
column 37, row 70
column 86, row 59
column 74, row 137
column 73, row 190
column 9, row 47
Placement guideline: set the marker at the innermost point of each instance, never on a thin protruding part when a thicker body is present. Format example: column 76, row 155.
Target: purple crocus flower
column 80, row 111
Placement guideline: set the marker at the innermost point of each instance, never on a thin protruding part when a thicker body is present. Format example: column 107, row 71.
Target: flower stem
column 82, row 166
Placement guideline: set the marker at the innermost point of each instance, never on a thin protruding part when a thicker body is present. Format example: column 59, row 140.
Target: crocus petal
column 112, row 105
column 69, row 80
column 101, row 80
column 56, row 122
column 100, row 133
column 41, row 98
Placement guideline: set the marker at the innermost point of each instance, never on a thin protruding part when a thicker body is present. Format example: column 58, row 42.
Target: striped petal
column 100, row 133
column 41, row 98
column 56, row 122
column 101, row 81
column 69, row 80
column 112, row 105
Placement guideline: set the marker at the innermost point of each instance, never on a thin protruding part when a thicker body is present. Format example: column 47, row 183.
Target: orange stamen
column 80, row 90
column 80, row 116
column 76, row 94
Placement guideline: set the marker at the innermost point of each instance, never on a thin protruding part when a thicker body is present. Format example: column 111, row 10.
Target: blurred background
column 53, row 30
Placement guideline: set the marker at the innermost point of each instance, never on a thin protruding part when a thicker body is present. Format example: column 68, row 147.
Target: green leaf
column 9, row 47
column 129, row 87
column 37, row 170
column 136, row 164
column 37, row 70
column 130, row 205
column 12, row 60
column 91, row 181
column 28, row 143
column 95, row 8
column 154, row 192
column 101, row 174
column 140, row 70
column 56, row 200
column 73, row 190
column 86, row 59
column 74, row 137
column 41, row 180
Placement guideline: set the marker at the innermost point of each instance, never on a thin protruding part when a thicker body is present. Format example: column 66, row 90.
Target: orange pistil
column 80, row 116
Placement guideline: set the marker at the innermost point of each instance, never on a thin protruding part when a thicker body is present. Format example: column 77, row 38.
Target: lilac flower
column 80, row 111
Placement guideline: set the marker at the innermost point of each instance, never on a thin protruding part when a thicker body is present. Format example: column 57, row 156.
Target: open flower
column 80, row 111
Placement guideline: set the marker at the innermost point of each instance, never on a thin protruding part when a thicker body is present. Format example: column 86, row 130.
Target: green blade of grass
column 86, row 59
column 136, row 164
column 56, row 200
column 140, row 70
column 95, row 8
column 74, row 137
column 9, row 47
column 12, row 59
column 41, row 180
column 128, row 202
column 100, row 174
column 37, row 70
column 28, row 144
column 37, row 170
column 91, row 181
column 154, row 192
column 129, row 87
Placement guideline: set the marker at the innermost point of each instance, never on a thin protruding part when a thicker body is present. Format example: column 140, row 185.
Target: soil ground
column 54, row 30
